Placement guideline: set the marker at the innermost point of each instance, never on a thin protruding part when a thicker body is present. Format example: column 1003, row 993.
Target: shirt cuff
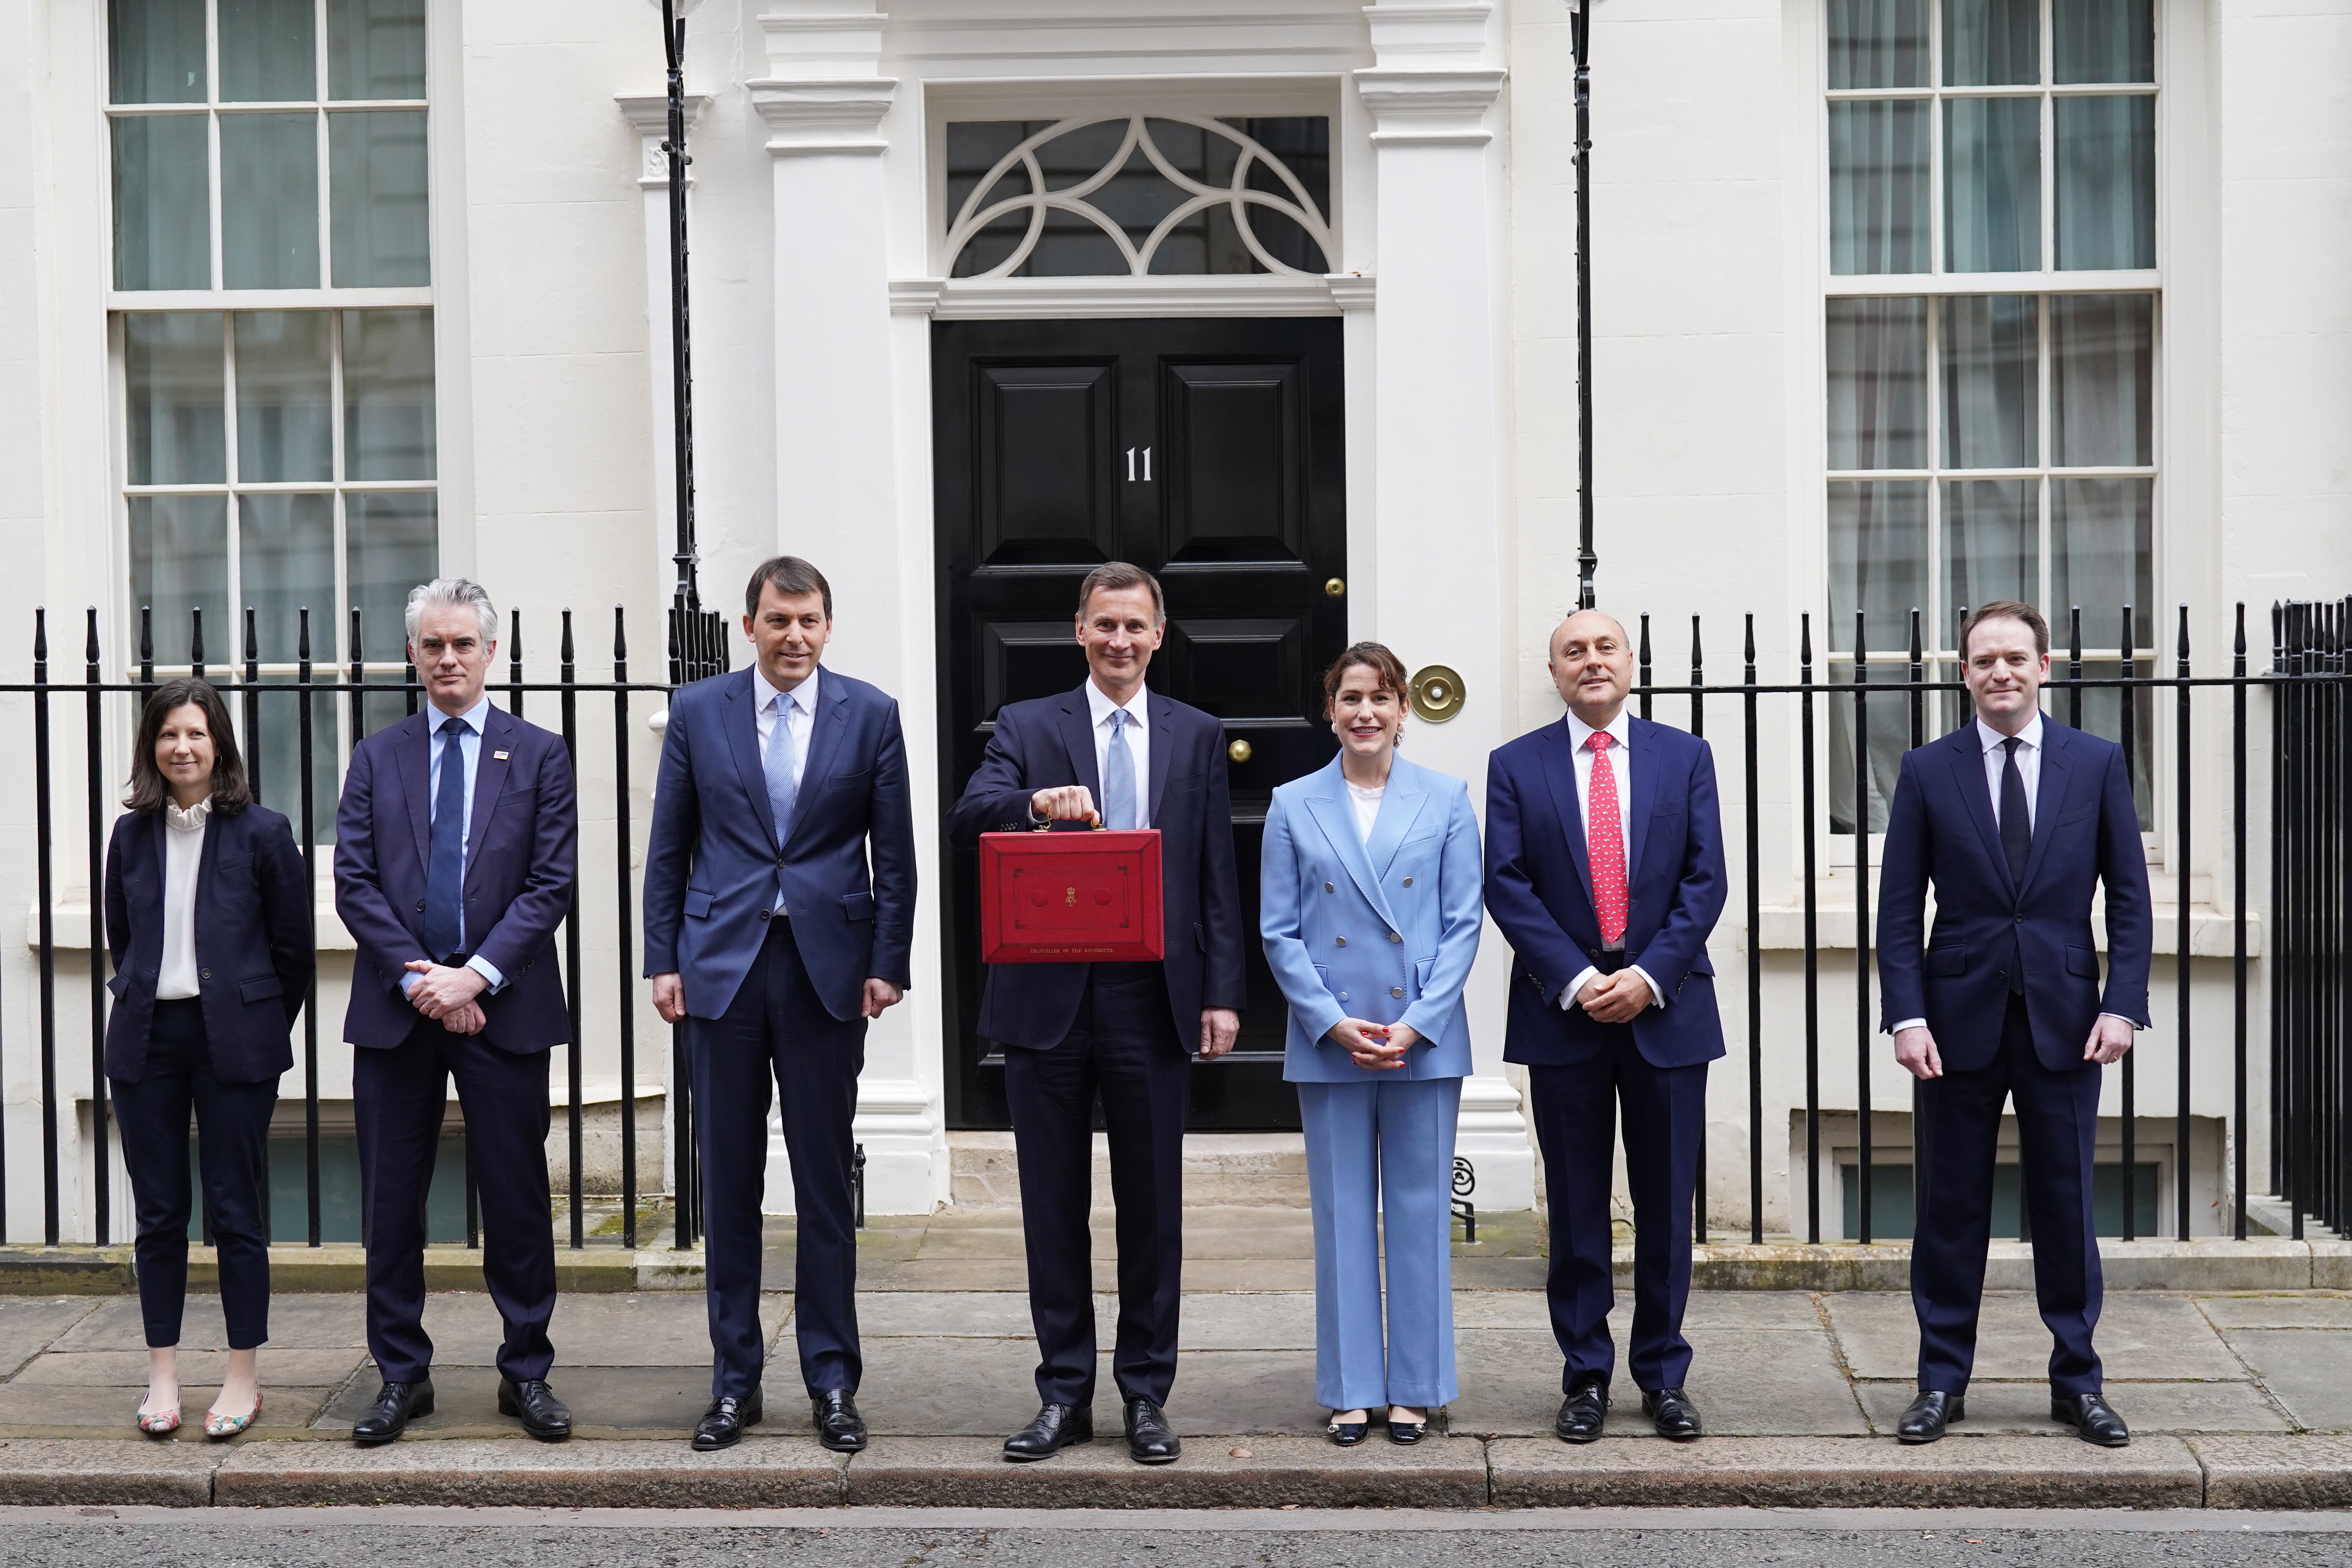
column 2136, row 1024
column 487, row 970
column 408, row 982
column 1567, row 991
column 1657, row 997
column 1908, row 1024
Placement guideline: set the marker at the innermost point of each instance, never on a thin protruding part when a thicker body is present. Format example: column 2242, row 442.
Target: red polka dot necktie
column 1604, row 843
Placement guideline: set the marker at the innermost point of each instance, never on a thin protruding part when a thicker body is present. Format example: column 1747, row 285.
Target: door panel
column 1207, row 451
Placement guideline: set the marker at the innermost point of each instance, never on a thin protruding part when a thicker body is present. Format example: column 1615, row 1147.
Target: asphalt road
column 437, row 1538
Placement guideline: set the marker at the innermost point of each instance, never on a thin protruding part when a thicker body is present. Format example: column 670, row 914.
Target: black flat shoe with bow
column 1345, row 1434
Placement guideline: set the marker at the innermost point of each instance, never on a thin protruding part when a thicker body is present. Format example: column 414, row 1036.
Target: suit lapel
column 1163, row 742
column 1401, row 806
column 1079, row 740
column 1560, row 773
column 415, row 764
column 490, row 767
column 832, row 720
column 1336, row 816
column 1641, row 737
column 1969, row 776
column 2049, row 795
column 742, row 718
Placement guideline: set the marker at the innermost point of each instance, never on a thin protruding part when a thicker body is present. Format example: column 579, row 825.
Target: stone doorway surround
column 845, row 94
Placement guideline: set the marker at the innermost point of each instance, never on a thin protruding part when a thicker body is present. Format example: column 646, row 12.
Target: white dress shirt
column 2028, row 769
column 1138, row 709
column 800, row 715
column 1621, row 767
column 1366, row 799
column 183, row 855
column 469, row 753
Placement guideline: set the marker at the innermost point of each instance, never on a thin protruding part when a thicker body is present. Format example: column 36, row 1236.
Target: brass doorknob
column 1239, row 750
column 1335, row 586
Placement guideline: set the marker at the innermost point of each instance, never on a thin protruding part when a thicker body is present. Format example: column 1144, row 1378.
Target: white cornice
column 1434, row 28
column 1053, row 298
column 648, row 112
column 1350, row 290
column 1431, row 105
column 915, row 296
column 810, row 116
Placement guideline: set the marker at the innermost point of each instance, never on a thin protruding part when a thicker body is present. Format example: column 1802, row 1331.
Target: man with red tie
column 1604, row 867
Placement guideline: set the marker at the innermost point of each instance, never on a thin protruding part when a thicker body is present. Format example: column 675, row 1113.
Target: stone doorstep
column 2269, row 1473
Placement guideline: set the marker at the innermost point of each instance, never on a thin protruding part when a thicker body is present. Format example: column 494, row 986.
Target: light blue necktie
column 780, row 777
column 1118, row 776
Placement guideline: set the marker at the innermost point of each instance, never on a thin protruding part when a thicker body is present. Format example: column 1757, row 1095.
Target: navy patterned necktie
column 445, row 871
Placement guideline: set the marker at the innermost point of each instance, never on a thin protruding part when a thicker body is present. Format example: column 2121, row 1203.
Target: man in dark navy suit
column 1115, row 752
column 2018, row 821
column 454, row 846
column 780, row 911
column 1604, row 867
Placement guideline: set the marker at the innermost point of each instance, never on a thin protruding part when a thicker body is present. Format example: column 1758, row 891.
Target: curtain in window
column 2107, row 182
column 1879, row 186
column 2101, row 380
column 285, row 427
column 1990, row 399
column 1993, row 43
column 179, row 563
column 2102, row 538
column 1992, row 184
column 268, row 51
column 1992, row 547
column 1878, row 564
column 1877, row 384
column 388, row 394
column 157, row 49
column 1878, row 43
column 163, row 224
column 269, row 201
column 2103, row 40
column 174, row 374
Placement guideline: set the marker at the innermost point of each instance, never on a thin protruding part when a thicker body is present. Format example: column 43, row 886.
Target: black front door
column 1208, row 451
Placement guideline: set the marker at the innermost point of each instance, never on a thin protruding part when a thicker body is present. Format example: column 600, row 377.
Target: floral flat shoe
column 219, row 1426
column 160, row 1422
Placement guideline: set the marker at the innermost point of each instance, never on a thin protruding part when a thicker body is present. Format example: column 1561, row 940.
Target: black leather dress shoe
column 1583, row 1411
column 838, row 1425
column 1924, row 1419
column 722, row 1425
column 2092, row 1418
column 1057, row 1427
column 395, row 1405
column 1149, row 1440
column 544, row 1416
column 1672, row 1413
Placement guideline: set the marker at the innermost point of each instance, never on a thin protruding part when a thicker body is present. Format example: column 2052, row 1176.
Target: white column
column 827, row 110
column 1439, row 520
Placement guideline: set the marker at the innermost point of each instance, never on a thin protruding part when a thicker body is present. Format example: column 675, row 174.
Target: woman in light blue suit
column 1370, row 912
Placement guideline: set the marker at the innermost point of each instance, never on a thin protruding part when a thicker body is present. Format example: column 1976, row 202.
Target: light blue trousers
column 1374, row 1149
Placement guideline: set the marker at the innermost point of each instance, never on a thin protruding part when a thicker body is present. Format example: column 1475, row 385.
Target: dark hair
column 149, row 789
column 1115, row 575
column 1375, row 657
column 787, row 574
column 2006, row 610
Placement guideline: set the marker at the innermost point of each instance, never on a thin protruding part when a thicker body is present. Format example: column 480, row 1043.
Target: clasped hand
column 447, row 995
column 1916, row 1052
column 1616, row 999
column 1375, row 1047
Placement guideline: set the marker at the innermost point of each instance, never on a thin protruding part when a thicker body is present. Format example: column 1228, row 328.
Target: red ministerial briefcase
column 1070, row 897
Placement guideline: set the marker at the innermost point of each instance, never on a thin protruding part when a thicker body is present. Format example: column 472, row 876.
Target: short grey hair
column 453, row 591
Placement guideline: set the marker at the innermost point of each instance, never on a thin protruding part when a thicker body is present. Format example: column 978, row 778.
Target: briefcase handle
column 1047, row 826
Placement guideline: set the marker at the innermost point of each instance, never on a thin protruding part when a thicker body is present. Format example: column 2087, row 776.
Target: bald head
column 1592, row 665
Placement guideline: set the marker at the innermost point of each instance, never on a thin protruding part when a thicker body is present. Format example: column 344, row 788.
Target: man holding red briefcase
column 1124, row 1030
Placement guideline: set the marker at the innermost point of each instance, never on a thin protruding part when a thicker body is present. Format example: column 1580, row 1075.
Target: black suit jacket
column 254, row 952
column 1050, row 741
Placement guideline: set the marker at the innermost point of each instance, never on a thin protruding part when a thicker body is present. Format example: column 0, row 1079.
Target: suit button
column 1396, row 990
column 420, row 906
column 203, row 975
column 1408, row 881
column 763, row 914
column 1393, row 937
column 780, row 862
column 1343, row 995
column 1343, row 942
column 2020, row 920
column 1327, row 887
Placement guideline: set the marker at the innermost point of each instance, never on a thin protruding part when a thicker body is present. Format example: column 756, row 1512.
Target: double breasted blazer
column 1940, row 830
column 1540, row 891
column 255, row 955
column 1383, row 929
column 714, row 864
column 521, row 848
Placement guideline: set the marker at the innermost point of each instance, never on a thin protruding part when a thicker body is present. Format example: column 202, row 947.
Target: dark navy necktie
column 445, row 872
column 2016, row 825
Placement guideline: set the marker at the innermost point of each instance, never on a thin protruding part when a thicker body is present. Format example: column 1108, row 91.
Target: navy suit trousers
column 1958, row 1132
column 777, row 1032
column 399, row 1095
column 232, row 1151
column 1123, row 1048
column 1664, row 1111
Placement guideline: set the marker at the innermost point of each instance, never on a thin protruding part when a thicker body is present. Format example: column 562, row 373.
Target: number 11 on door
column 1146, row 464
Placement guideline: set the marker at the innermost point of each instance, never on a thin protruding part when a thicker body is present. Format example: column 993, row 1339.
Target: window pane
column 394, row 543
column 1991, row 402
column 158, row 51
column 2104, row 40
column 1878, row 43
column 268, row 51
column 1878, row 384
column 2102, row 715
column 1992, row 43
column 388, row 394
column 1992, row 184
column 1889, row 717
column 2100, row 380
column 1993, row 547
column 376, row 48
column 1878, row 187
column 1878, row 559
column 2102, row 556
column 2107, row 182
column 179, row 563
column 284, row 425
column 286, row 552
column 173, row 374
column 276, row 760
column 378, row 195
column 269, row 201
column 163, row 227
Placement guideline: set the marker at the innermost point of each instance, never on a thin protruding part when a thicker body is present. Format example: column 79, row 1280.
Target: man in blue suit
column 2016, row 821
column 1123, row 1030
column 779, row 909
column 454, row 846
column 1604, row 867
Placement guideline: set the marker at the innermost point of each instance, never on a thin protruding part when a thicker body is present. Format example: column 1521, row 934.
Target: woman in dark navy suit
column 208, row 925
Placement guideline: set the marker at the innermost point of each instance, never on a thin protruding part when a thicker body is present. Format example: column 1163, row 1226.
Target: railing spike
column 620, row 635
column 302, row 634
column 89, row 639
column 252, row 637
column 196, row 642
column 1751, row 647
column 40, row 634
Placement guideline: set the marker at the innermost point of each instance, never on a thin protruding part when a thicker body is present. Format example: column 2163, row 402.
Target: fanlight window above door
column 1157, row 195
